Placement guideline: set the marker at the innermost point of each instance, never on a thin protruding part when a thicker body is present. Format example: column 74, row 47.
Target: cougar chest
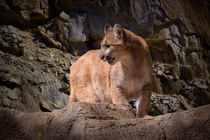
column 133, row 87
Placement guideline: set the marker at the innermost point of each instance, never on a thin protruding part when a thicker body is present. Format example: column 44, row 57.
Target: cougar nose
column 101, row 56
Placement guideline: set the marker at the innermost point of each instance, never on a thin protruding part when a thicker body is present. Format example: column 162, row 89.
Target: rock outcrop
column 83, row 121
column 33, row 76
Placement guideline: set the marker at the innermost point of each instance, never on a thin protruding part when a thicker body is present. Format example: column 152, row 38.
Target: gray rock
column 176, row 41
column 185, row 104
column 6, row 102
column 145, row 11
column 162, row 104
column 174, row 30
column 66, row 77
column 198, row 84
column 12, row 95
column 65, row 17
column 165, row 101
column 159, row 72
column 10, row 40
column 10, row 98
column 169, row 85
column 164, row 34
column 54, row 95
column 193, row 59
column 45, row 106
column 169, row 77
column 73, row 31
column 75, row 27
column 198, row 65
column 165, row 51
column 193, row 43
column 196, row 92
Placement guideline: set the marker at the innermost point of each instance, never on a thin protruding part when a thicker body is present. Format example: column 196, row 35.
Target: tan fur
column 127, row 75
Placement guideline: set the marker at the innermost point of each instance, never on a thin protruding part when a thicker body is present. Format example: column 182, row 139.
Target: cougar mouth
column 111, row 60
column 108, row 59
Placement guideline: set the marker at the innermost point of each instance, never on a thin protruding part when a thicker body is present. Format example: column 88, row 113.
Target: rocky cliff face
column 39, row 40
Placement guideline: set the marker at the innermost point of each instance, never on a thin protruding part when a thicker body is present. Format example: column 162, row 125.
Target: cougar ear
column 107, row 27
column 118, row 32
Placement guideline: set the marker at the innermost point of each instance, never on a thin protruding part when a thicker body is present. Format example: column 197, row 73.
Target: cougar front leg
column 143, row 104
column 118, row 95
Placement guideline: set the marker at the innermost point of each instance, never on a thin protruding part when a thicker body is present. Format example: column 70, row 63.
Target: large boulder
column 104, row 121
